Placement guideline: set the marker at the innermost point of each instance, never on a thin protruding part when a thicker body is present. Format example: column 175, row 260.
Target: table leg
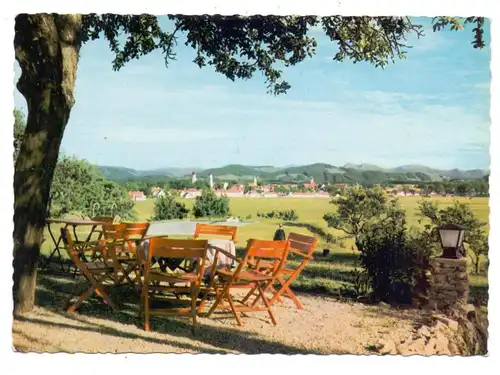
column 56, row 249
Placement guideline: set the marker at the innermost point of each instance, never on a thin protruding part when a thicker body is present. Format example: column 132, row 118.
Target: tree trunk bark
column 47, row 48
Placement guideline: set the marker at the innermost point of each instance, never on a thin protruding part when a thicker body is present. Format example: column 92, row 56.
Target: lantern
column 452, row 237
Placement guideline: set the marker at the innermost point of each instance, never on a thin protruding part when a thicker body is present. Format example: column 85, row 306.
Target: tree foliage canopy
column 240, row 46
column 78, row 188
column 168, row 208
column 358, row 208
column 208, row 204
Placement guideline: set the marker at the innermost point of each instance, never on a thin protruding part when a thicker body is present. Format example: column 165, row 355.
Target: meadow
column 332, row 274
column 322, row 286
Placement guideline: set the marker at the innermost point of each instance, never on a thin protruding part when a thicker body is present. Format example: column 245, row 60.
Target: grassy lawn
column 326, row 275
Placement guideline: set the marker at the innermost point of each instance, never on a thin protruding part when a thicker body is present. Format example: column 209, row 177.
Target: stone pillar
column 449, row 285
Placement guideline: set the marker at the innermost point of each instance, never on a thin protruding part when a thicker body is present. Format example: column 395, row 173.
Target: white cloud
column 483, row 86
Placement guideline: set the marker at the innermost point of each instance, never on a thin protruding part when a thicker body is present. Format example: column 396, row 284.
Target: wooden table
column 68, row 223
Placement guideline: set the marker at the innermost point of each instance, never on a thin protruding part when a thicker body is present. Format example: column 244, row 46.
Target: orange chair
column 130, row 256
column 301, row 247
column 247, row 277
column 155, row 280
column 215, row 230
column 96, row 272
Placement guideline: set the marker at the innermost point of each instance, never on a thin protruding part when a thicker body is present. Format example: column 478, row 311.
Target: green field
column 309, row 210
column 330, row 275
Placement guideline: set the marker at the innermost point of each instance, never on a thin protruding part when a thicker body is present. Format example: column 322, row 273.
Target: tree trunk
column 47, row 48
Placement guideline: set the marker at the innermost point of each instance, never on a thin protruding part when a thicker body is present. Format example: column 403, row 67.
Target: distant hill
column 233, row 169
column 320, row 172
column 436, row 174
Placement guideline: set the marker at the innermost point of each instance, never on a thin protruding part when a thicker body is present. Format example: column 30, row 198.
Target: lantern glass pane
column 461, row 238
column 449, row 237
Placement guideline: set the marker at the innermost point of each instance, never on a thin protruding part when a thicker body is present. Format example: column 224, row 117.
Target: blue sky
column 431, row 109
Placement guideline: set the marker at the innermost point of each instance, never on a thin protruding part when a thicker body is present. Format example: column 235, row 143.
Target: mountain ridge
column 320, row 172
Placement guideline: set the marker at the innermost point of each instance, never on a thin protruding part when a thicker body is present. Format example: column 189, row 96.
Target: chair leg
column 218, row 300
column 274, row 298
column 195, row 291
column 249, row 294
column 99, row 289
column 294, row 298
column 285, row 291
column 235, row 313
column 80, row 299
column 267, row 305
column 146, row 313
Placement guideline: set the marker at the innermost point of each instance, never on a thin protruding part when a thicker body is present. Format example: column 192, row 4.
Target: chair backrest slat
column 304, row 244
column 258, row 250
column 173, row 248
column 129, row 231
column 114, row 231
column 136, row 230
column 215, row 230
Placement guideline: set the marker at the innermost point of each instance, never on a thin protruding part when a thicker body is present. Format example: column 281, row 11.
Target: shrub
column 287, row 215
column 396, row 262
column 167, row 208
column 210, row 205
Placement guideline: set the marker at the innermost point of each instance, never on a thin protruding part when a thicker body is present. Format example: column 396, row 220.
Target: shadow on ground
column 52, row 292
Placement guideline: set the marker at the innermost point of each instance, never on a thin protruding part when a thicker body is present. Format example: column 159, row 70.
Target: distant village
column 257, row 190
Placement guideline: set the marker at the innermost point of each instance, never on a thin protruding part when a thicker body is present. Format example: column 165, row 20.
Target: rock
column 430, row 347
column 442, row 343
column 432, row 343
column 384, row 305
column 388, row 347
column 453, row 348
column 424, row 331
column 417, row 346
column 452, row 324
column 403, row 350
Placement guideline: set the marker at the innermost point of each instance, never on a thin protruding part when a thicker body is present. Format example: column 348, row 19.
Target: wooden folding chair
column 130, row 256
column 155, row 280
column 301, row 247
column 215, row 230
column 248, row 277
column 96, row 272
column 103, row 219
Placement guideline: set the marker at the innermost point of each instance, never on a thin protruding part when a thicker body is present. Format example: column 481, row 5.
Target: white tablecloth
column 222, row 260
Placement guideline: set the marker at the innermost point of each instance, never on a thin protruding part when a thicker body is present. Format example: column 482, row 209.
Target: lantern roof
column 452, row 227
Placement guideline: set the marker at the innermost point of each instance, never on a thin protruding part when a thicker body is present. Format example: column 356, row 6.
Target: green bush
column 167, row 208
column 210, row 205
column 396, row 261
column 287, row 215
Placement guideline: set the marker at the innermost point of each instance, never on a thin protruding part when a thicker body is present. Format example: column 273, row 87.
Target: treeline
column 477, row 187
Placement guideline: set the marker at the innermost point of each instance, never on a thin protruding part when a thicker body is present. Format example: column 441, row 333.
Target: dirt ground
column 325, row 326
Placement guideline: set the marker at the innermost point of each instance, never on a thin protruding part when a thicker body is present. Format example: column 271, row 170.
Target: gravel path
column 325, row 326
